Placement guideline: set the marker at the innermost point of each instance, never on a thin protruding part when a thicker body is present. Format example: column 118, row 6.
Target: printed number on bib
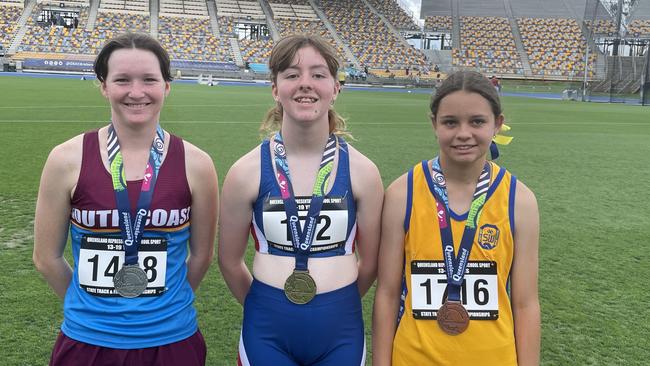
column 100, row 257
column 331, row 227
column 479, row 291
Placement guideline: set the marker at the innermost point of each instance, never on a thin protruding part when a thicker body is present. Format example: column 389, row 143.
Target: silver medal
column 130, row 281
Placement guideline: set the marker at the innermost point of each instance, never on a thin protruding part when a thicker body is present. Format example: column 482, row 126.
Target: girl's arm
column 389, row 280
column 525, row 301
column 52, row 218
column 202, row 178
column 240, row 189
column 369, row 194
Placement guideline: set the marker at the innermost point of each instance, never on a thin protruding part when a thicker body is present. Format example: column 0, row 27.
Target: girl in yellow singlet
column 458, row 259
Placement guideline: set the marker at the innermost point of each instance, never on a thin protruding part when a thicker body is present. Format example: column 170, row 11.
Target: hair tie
column 501, row 140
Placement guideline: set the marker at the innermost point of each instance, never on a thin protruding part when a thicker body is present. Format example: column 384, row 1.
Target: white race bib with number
column 479, row 291
column 331, row 227
column 100, row 257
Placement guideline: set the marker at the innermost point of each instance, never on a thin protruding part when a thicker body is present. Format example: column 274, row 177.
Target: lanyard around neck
column 455, row 265
column 132, row 229
column 302, row 239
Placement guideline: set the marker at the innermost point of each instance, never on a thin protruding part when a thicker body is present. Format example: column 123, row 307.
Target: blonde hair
column 281, row 58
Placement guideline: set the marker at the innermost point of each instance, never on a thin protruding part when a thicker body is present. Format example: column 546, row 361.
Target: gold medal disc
column 300, row 287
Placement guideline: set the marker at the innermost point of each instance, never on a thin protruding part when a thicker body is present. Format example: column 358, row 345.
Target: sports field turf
column 589, row 165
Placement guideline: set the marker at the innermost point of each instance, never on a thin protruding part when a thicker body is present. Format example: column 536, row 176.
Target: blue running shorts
column 326, row 331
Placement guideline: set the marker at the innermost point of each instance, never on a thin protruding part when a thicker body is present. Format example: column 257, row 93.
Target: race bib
column 331, row 228
column 479, row 291
column 100, row 257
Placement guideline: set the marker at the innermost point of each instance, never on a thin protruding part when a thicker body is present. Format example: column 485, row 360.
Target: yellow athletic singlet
column 489, row 339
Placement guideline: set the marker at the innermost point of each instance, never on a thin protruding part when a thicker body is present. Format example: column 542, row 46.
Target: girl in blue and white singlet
column 312, row 204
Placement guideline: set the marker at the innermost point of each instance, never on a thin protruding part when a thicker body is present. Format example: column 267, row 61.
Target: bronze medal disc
column 453, row 319
column 300, row 287
column 130, row 281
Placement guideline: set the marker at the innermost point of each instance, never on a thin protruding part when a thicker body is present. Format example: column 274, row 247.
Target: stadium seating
column 317, row 27
column 122, row 22
column 395, row 14
column 602, row 26
column 554, row 46
column 227, row 26
column 639, row 27
column 66, row 3
column 180, row 25
column 184, row 8
column 438, row 23
column 240, row 9
column 293, row 11
column 487, row 43
column 290, row 2
column 9, row 15
column 191, row 39
column 368, row 37
column 57, row 39
column 255, row 51
column 125, row 6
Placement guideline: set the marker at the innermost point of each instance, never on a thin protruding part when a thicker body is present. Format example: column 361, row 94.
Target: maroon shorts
column 188, row 352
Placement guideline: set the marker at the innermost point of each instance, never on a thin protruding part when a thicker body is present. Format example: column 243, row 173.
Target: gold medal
column 453, row 319
column 300, row 287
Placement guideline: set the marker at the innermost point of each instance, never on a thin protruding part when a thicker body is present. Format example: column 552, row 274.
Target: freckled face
column 465, row 126
column 306, row 89
column 134, row 86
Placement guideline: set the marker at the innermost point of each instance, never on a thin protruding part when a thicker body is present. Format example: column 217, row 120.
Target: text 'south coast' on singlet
column 489, row 339
column 336, row 227
column 93, row 312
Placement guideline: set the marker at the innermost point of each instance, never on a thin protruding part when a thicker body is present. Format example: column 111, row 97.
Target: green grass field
column 589, row 165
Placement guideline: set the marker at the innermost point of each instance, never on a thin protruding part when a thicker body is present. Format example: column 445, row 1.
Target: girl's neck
column 135, row 137
column 462, row 174
column 307, row 138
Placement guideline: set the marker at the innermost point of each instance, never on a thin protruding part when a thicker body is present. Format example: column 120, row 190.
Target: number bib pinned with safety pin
column 331, row 227
column 101, row 257
column 478, row 293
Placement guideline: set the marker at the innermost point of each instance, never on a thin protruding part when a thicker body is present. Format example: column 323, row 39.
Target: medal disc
column 453, row 319
column 300, row 287
column 130, row 281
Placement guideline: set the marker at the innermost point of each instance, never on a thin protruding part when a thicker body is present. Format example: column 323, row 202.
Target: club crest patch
column 488, row 236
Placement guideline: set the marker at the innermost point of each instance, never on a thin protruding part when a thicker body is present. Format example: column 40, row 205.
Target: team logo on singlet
column 109, row 219
column 488, row 236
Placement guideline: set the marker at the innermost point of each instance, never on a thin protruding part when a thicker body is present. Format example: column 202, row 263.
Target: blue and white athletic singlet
column 336, row 228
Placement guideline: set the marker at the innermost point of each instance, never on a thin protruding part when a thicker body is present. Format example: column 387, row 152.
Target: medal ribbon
column 132, row 229
column 302, row 239
column 456, row 264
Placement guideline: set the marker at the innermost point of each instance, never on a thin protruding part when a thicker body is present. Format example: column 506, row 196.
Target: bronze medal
column 453, row 319
column 300, row 287
column 130, row 281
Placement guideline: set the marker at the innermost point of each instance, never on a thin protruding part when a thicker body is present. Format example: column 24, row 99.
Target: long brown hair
column 281, row 58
